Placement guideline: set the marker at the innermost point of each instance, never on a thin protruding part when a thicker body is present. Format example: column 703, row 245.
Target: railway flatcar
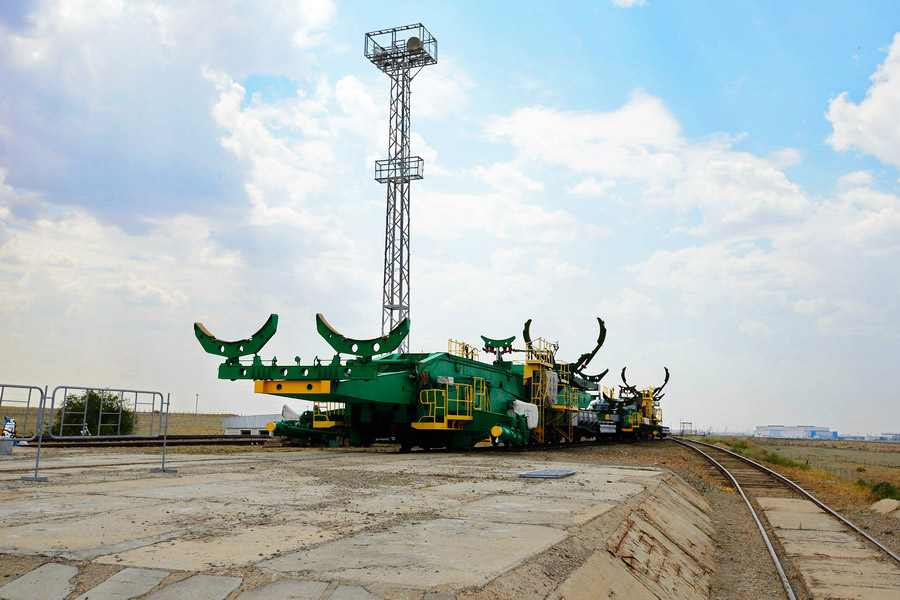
column 627, row 414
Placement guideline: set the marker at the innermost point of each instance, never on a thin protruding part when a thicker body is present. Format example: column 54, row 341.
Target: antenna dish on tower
column 414, row 44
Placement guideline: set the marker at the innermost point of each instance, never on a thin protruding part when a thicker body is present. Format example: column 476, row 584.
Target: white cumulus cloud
column 871, row 126
column 630, row 304
column 591, row 187
column 754, row 327
column 638, row 141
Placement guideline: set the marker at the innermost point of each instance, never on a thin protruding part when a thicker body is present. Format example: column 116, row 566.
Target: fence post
column 37, row 459
column 163, row 469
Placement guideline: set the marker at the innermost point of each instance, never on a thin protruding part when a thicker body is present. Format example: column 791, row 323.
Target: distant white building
column 794, row 431
column 249, row 425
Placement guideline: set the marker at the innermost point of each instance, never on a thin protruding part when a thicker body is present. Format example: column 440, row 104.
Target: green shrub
column 884, row 489
column 71, row 415
column 777, row 459
column 881, row 490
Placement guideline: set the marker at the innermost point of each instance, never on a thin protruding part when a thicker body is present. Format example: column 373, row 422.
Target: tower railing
column 399, row 169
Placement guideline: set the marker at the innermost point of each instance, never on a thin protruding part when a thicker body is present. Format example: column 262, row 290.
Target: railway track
column 830, row 557
column 244, row 440
column 172, row 440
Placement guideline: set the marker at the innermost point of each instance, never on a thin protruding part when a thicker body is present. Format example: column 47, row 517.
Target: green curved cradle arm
column 365, row 348
column 232, row 350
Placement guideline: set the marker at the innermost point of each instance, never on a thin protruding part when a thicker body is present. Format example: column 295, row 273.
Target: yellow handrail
column 462, row 350
column 565, row 371
column 567, row 397
column 439, row 402
column 482, row 401
column 327, row 414
column 541, row 350
column 539, row 387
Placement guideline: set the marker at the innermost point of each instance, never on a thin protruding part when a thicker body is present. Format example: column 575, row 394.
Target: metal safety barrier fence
column 108, row 410
column 17, row 403
column 115, row 409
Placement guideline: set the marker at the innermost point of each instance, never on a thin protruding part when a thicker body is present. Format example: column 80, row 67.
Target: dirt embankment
column 742, row 566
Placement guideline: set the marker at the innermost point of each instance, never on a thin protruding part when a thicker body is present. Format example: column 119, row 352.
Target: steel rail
column 126, row 438
column 786, row 584
column 154, row 442
column 562, row 446
column 796, row 487
column 211, row 459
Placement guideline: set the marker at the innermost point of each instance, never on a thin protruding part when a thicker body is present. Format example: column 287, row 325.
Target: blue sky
column 719, row 181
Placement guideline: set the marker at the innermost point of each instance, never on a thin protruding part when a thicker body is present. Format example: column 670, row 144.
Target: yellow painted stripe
column 292, row 387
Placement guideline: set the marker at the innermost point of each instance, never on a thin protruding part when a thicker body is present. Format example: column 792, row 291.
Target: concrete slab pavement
column 50, row 581
column 86, row 538
column 352, row 592
column 220, row 550
column 887, row 506
column 330, row 524
column 832, row 562
column 802, row 519
column 63, row 505
column 199, row 587
column 602, row 574
column 511, row 508
column 423, row 555
column 126, row 584
column 287, row 589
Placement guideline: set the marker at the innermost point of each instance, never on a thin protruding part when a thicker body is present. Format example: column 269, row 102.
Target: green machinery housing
column 368, row 392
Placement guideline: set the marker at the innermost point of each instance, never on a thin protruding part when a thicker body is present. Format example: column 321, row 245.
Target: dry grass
column 824, row 468
column 199, row 424
column 873, row 462
column 877, row 447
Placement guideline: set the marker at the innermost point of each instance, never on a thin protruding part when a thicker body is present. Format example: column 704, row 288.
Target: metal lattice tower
column 400, row 52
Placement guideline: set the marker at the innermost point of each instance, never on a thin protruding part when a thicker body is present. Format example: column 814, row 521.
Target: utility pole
column 196, row 402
